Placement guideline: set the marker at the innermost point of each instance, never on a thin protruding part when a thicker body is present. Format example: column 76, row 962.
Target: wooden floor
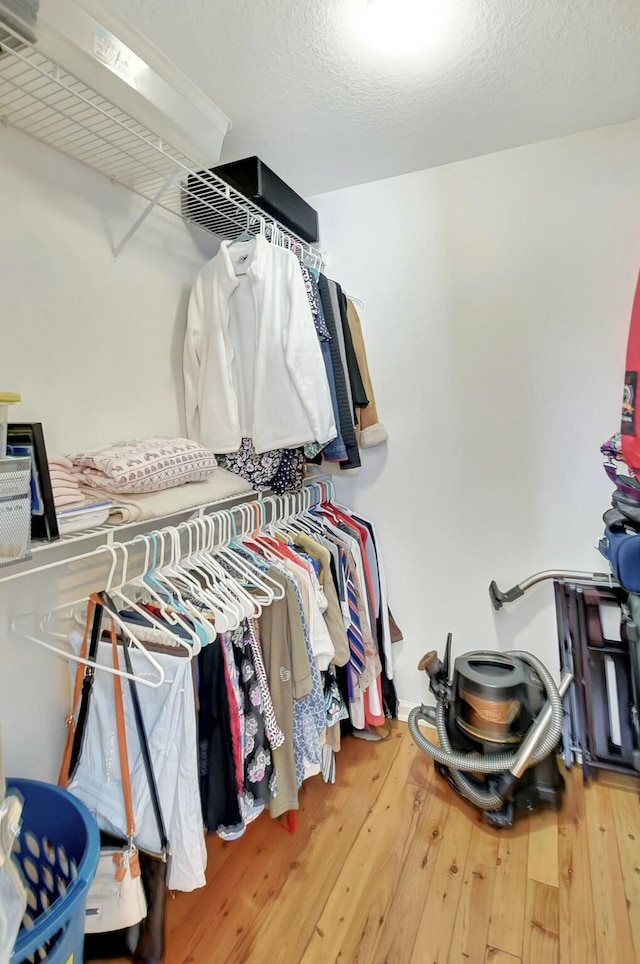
column 389, row 866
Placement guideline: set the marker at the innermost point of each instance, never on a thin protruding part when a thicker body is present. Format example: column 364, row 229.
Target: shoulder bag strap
column 78, row 729
column 122, row 738
column 70, row 721
column 146, row 757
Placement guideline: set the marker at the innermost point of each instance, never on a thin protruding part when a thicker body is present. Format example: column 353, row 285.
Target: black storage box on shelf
column 265, row 189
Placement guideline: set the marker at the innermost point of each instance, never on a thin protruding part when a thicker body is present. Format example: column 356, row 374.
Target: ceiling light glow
column 399, row 26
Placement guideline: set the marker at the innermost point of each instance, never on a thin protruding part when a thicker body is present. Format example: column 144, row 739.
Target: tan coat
column 369, row 431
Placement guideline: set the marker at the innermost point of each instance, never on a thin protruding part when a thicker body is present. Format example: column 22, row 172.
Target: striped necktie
column 357, row 656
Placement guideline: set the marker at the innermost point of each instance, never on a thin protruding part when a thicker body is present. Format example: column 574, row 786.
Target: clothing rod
column 67, row 581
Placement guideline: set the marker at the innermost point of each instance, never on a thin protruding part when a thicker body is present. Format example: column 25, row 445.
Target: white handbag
column 116, row 898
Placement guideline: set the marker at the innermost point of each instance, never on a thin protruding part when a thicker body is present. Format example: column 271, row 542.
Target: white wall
column 93, row 346
column 95, row 350
column 497, row 299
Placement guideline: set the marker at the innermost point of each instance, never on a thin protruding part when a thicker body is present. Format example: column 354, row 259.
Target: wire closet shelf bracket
column 40, row 98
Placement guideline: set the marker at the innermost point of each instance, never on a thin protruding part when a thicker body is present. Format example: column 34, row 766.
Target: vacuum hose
column 539, row 743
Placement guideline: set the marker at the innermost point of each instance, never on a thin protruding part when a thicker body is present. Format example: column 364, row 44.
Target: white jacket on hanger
column 253, row 364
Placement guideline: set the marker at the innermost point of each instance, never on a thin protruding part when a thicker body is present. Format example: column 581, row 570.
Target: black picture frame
column 44, row 521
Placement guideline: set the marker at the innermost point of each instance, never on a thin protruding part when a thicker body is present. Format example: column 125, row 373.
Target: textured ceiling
column 308, row 93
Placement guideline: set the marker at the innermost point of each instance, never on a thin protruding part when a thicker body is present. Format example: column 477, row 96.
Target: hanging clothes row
column 275, row 367
column 255, row 647
column 326, row 646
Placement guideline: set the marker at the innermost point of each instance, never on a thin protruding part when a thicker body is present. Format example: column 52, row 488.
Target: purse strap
column 122, row 737
column 83, row 684
column 82, row 691
column 146, row 757
column 165, row 846
column 70, row 721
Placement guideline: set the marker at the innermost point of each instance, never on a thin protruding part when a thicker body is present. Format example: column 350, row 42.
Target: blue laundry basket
column 57, row 850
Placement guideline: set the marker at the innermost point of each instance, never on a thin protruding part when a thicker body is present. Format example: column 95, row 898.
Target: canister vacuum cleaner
column 499, row 721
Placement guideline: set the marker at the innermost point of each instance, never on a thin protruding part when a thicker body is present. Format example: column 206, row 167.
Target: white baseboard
column 404, row 708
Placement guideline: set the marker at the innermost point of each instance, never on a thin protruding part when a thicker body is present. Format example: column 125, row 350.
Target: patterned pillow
column 145, row 465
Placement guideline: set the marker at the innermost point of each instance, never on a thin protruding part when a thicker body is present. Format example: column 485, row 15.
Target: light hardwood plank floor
column 389, row 866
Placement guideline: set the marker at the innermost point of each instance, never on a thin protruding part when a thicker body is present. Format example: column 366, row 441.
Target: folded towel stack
column 65, row 482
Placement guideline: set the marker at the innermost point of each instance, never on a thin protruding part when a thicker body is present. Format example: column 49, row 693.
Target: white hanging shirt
column 253, row 365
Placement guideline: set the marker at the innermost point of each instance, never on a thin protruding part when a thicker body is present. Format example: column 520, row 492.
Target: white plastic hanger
column 178, row 580
column 131, row 604
column 268, row 588
column 268, row 529
column 205, row 585
column 252, row 541
column 220, row 588
column 151, row 589
column 227, row 612
column 249, row 606
column 71, row 657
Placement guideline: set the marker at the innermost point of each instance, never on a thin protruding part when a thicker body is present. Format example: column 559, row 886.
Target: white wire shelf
column 42, row 99
column 62, row 573
column 76, row 544
column 73, row 544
